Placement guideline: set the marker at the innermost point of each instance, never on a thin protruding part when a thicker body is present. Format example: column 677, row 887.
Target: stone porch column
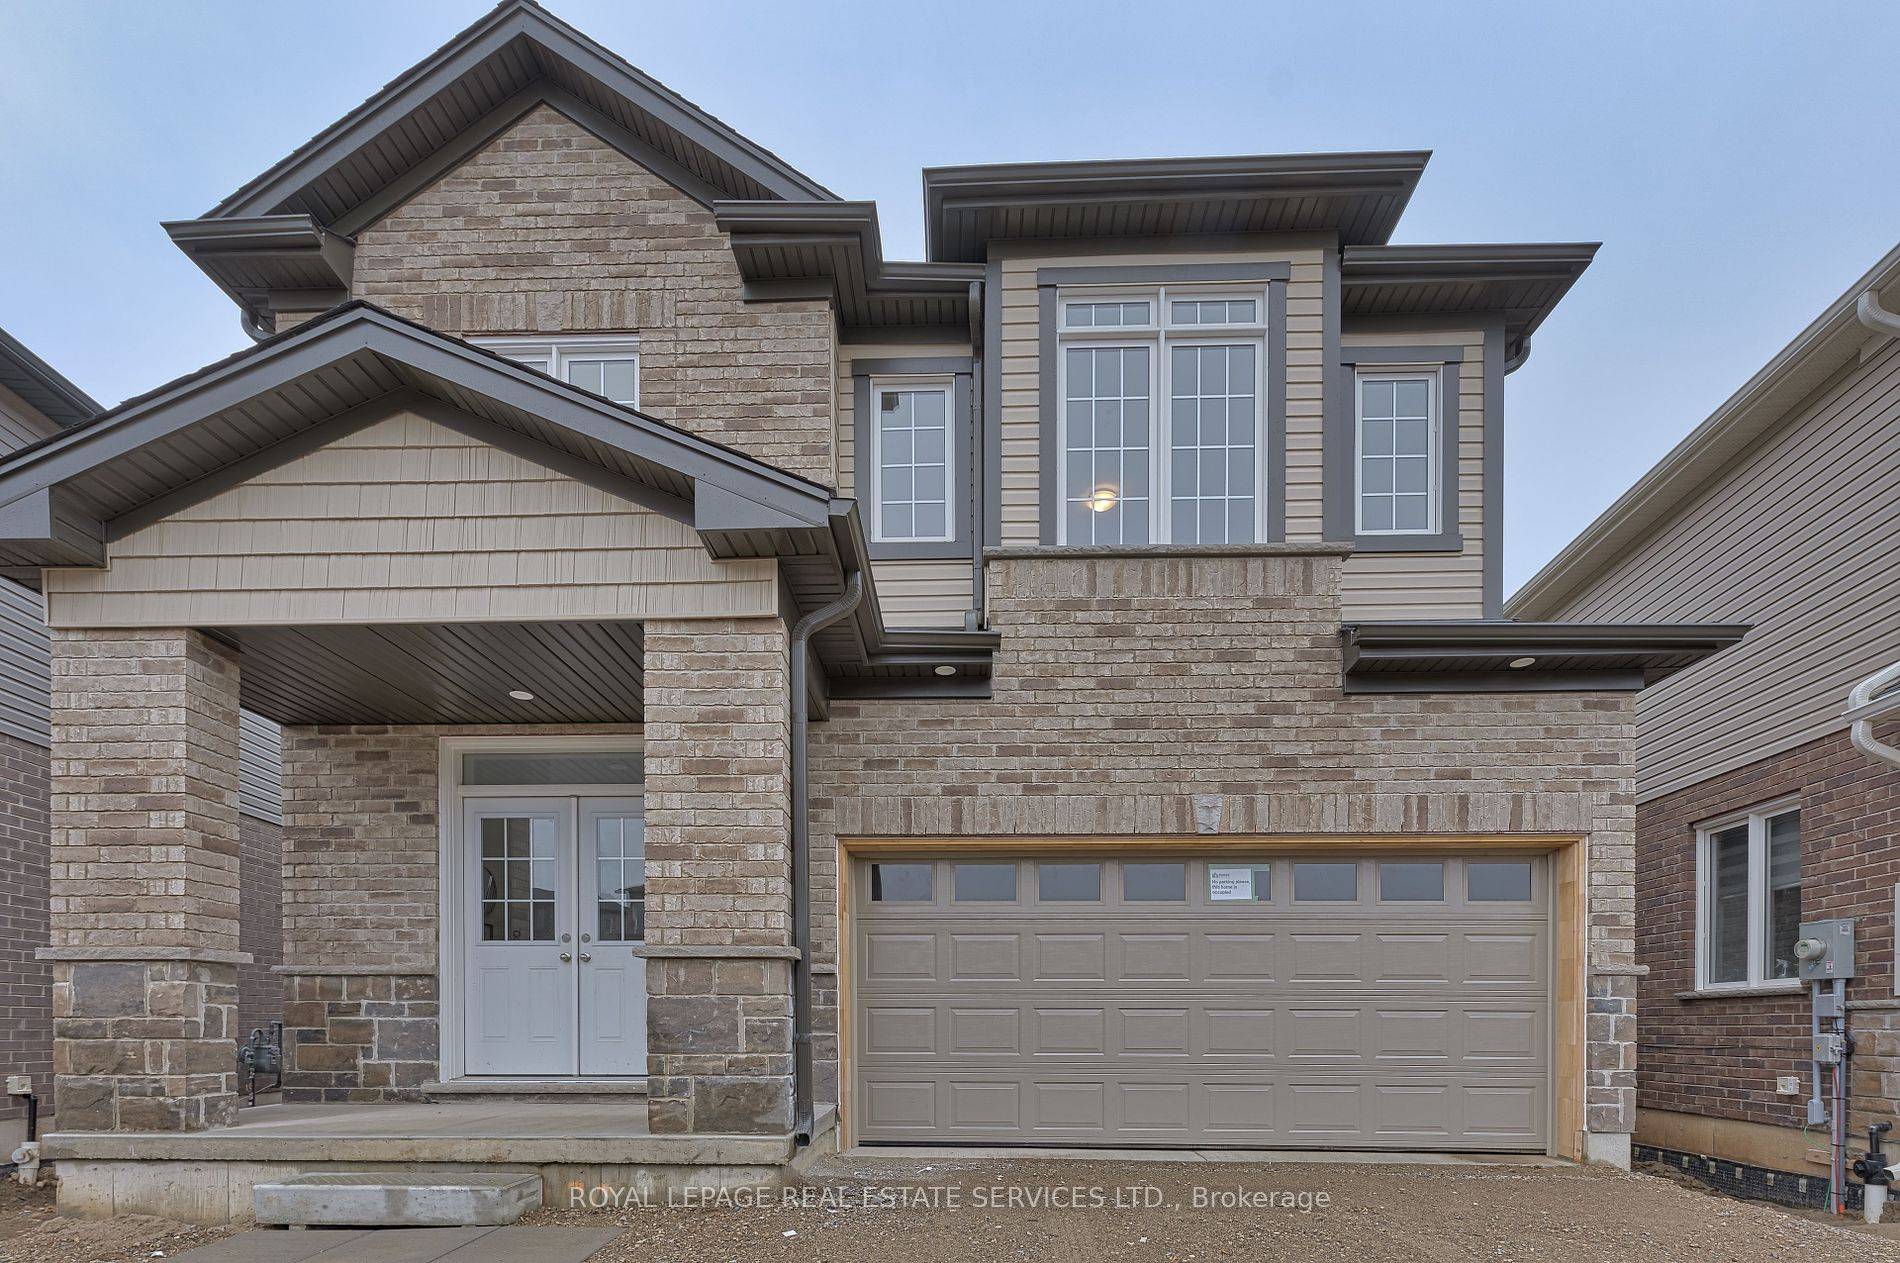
column 719, row 914
column 144, row 880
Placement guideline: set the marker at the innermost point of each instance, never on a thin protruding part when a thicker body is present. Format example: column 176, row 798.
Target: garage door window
column 900, row 883
column 1412, row 883
column 1069, row 883
column 1239, row 883
column 1154, row 883
column 1326, row 883
column 1508, row 882
column 986, row 883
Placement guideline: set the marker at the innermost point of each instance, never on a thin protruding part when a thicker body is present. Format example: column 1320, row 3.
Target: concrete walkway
column 405, row 1245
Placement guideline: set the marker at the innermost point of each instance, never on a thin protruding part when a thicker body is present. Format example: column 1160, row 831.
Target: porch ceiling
column 448, row 673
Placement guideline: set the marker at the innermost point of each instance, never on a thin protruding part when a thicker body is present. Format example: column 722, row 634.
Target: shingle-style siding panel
column 548, row 229
column 1432, row 585
column 1800, row 537
column 408, row 521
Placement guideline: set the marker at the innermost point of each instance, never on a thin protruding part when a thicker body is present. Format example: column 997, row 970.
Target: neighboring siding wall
column 1022, row 376
column 1432, row 585
column 911, row 593
column 408, row 521
column 1799, row 536
column 549, row 229
column 1720, row 1057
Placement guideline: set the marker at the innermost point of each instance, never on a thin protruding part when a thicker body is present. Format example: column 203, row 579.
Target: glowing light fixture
column 521, row 695
column 1518, row 664
column 1102, row 499
column 946, row 669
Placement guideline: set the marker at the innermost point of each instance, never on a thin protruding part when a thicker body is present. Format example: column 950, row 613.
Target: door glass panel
column 1069, row 883
column 620, row 875
column 1326, row 883
column 571, row 767
column 1416, row 883
column 985, row 883
column 1154, row 883
column 1784, row 893
column 900, row 883
column 1501, row 882
column 517, row 891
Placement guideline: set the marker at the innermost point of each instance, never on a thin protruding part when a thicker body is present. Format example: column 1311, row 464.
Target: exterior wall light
column 521, row 695
column 1518, row 664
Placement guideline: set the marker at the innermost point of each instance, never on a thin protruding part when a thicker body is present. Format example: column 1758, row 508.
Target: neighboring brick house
column 37, row 403
column 1049, row 693
column 1755, row 811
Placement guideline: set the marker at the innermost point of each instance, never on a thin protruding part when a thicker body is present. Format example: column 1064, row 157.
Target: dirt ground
column 1370, row 1214
column 31, row 1233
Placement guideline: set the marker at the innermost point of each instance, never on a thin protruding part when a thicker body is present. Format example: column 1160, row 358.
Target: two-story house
column 1756, row 811
column 740, row 691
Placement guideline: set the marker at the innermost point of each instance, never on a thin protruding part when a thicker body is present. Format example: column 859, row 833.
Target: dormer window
column 607, row 365
column 1160, row 431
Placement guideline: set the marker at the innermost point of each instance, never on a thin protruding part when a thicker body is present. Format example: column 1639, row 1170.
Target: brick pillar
column 719, row 916
column 144, row 880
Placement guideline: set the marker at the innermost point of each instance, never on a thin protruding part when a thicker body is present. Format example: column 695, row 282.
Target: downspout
column 257, row 325
column 803, row 1085
column 1870, row 313
column 1515, row 360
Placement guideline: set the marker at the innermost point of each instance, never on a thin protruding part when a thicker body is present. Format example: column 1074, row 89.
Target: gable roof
column 483, row 78
column 65, row 497
column 1358, row 195
column 41, row 385
column 1764, row 402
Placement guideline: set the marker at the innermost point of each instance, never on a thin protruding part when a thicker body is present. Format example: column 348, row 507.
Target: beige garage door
column 1323, row 1002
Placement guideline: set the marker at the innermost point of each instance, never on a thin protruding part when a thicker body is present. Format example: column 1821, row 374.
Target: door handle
column 585, row 958
column 566, row 956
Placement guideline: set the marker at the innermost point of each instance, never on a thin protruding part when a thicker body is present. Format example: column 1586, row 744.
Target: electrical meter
column 1825, row 949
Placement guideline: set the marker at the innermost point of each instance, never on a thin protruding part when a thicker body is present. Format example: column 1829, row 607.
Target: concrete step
column 397, row 1199
column 571, row 1091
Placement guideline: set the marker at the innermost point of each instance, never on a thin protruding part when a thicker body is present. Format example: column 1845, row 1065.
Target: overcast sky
column 1735, row 159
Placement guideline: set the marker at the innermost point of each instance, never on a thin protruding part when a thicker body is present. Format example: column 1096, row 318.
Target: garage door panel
column 1271, row 1023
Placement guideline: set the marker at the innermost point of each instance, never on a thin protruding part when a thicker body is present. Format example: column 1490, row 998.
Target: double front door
column 554, row 894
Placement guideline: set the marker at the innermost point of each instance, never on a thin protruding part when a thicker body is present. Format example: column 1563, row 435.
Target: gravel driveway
column 935, row 1209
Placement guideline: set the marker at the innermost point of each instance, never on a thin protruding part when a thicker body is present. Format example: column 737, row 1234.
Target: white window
column 910, row 461
column 608, row 365
column 1748, row 898
column 1162, row 428
column 1397, row 458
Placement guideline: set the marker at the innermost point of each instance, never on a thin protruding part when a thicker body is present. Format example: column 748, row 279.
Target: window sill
column 921, row 550
column 1441, row 542
column 1740, row 992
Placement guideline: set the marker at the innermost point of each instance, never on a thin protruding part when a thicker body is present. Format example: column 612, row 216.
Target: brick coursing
column 363, row 1037
column 549, row 229
column 1125, row 686
column 260, row 924
column 1720, row 1057
column 26, row 983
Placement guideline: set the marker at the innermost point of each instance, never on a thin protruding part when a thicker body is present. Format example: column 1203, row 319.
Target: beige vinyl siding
column 408, row 521
column 1431, row 585
column 1799, row 536
column 1021, row 376
column 21, row 423
column 910, row 593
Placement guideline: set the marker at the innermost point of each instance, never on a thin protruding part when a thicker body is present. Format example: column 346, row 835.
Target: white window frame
column 1434, row 375
column 1757, row 819
column 618, row 347
column 1160, row 336
column 947, row 387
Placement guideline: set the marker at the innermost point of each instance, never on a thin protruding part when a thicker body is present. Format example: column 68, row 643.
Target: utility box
column 1825, row 950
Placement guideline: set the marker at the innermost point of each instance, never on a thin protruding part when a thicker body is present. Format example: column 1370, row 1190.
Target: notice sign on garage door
column 1229, row 885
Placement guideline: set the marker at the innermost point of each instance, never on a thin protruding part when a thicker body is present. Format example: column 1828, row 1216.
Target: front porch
column 207, row 1176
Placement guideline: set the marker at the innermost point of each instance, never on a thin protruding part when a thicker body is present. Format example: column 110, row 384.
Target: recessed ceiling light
column 1518, row 664
column 521, row 695
column 946, row 669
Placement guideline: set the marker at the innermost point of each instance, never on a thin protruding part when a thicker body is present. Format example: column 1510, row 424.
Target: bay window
column 1748, row 906
column 1161, row 431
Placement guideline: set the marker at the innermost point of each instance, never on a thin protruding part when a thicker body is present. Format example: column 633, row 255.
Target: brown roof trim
column 1358, row 195
column 1477, row 655
column 1764, row 401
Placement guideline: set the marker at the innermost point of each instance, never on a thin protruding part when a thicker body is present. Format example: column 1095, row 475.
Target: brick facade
column 548, row 229
column 1720, row 1057
column 1127, row 686
column 26, row 982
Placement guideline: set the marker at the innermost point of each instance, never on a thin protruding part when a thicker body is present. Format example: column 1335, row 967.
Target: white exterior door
column 554, row 913
column 613, row 977
column 519, row 919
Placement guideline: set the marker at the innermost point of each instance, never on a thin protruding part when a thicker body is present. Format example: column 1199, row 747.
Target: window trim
column 1340, row 452
column 1159, row 337
column 1757, row 819
column 618, row 347
column 947, row 387
column 1434, row 379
